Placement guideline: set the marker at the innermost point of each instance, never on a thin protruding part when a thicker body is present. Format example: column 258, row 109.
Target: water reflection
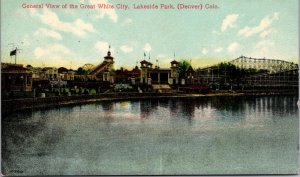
column 175, row 131
column 145, row 109
column 107, row 106
column 24, row 135
column 218, row 108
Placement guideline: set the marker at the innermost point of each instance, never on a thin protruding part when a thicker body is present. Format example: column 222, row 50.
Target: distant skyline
column 74, row 37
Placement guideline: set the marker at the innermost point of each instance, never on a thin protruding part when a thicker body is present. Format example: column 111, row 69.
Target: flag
column 14, row 52
column 144, row 54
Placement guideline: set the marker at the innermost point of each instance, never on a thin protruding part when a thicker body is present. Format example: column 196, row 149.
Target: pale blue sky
column 65, row 37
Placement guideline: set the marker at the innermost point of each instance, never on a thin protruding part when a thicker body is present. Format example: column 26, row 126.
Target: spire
column 149, row 56
column 108, row 57
column 109, row 53
column 174, row 56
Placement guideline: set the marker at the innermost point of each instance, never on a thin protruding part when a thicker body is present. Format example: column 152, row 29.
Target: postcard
column 149, row 87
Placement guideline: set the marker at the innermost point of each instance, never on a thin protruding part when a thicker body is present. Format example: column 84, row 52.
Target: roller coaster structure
column 272, row 65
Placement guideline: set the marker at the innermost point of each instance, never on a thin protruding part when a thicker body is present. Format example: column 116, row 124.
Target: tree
column 81, row 71
column 183, row 66
column 234, row 74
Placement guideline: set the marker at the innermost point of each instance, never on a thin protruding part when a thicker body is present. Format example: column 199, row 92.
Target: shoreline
column 16, row 105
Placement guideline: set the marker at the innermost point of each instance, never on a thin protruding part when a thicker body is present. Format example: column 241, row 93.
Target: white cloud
column 126, row 22
column 147, row 47
column 77, row 27
column 264, row 44
column 233, row 47
column 214, row 32
column 263, row 25
column 204, row 51
column 103, row 47
column 48, row 33
column 264, row 48
column 51, row 51
column 267, row 32
column 33, row 11
column 126, row 49
column 229, row 21
column 110, row 12
column 218, row 50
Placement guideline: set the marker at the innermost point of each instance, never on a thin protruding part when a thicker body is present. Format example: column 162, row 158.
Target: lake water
column 214, row 135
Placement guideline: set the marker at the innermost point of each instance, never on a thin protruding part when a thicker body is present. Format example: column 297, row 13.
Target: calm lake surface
column 214, row 135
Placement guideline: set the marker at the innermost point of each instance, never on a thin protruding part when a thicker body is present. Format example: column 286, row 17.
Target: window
column 28, row 80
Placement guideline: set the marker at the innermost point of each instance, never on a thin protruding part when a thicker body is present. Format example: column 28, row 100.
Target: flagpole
column 16, row 56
